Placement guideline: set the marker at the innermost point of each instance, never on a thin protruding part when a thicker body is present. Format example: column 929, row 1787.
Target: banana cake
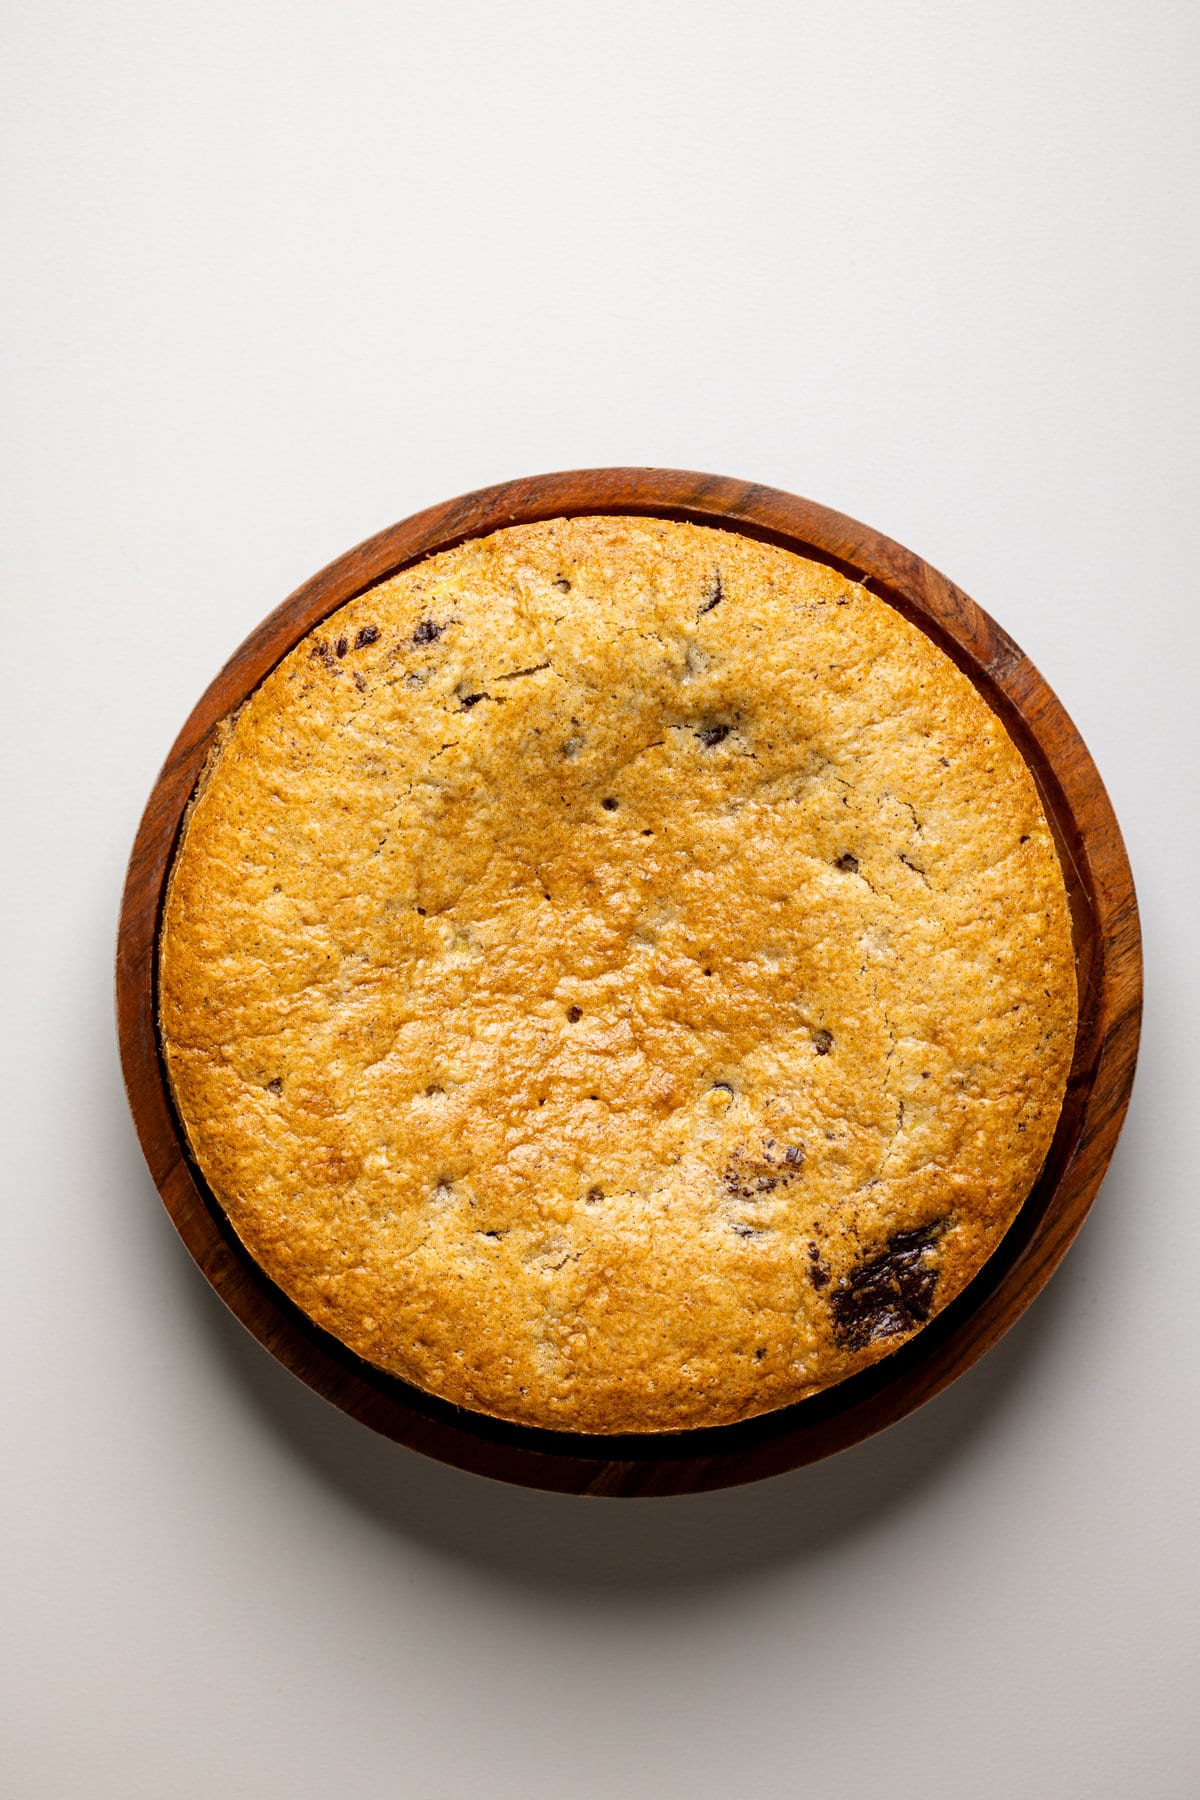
column 617, row 976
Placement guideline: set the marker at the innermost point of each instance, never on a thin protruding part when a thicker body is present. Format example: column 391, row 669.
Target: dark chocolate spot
column 760, row 1353
column 433, row 1089
column 359, row 682
column 594, row 1194
column 647, row 831
column 367, row 634
column 421, row 910
column 427, row 631
column 847, row 863
column 609, row 804
column 794, row 1155
column 711, row 735
column 562, row 584
column 341, row 646
column 275, row 1085
column 714, row 596
column 889, row 1294
column 818, row 1274
column 470, row 700
column 1025, row 839
column 574, row 1014
column 822, row 1042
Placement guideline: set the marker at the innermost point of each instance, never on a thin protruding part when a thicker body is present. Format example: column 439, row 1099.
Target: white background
column 287, row 272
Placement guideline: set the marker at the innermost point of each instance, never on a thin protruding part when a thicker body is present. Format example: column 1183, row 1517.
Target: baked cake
column 617, row 976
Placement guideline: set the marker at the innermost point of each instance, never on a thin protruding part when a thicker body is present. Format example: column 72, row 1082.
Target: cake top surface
column 617, row 976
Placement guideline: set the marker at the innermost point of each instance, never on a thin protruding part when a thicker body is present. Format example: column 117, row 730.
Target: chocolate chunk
column 594, row 1194
column 714, row 596
column 905, row 1243
column 916, row 1286
column 275, row 1085
column 341, row 646
column 427, row 631
column 847, row 863
column 889, row 1294
column 470, row 700
column 711, row 735
column 368, row 634
column 794, row 1155
column 822, row 1042
column 610, row 805
column 574, row 1014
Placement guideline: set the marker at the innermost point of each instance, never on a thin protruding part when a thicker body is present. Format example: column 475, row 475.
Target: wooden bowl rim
column 1108, row 945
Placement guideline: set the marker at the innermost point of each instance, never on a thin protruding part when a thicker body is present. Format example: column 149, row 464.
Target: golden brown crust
column 617, row 976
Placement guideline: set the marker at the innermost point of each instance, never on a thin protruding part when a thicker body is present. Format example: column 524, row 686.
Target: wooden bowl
column 1108, row 951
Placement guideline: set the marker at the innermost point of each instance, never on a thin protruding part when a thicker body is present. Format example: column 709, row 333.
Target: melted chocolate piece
column 368, row 634
column 711, row 735
column 891, row 1293
column 847, row 862
column 714, row 596
column 426, row 632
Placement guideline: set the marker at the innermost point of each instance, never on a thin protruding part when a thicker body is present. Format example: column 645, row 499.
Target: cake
column 617, row 976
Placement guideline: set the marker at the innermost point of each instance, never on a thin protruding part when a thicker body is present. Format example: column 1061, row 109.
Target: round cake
column 617, row 976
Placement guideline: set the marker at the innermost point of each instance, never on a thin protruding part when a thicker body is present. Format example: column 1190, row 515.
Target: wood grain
column 1108, row 947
